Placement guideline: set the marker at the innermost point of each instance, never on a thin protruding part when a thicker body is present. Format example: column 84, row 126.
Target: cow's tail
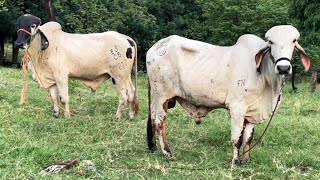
column 150, row 129
column 136, row 99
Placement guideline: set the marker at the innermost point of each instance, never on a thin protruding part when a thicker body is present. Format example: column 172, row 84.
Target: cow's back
column 91, row 55
column 189, row 69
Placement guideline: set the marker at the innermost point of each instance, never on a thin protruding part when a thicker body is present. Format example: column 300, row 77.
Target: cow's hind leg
column 151, row 128
column 247, row 139
column 53, row 90
column 161, row 121
column 123, row 97
column 157, row 123
column 133, row 101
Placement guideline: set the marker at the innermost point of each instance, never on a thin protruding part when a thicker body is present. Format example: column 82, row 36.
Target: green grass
column 31, row 138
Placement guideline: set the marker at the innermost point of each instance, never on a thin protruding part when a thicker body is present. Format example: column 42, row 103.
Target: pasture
column 31, row 138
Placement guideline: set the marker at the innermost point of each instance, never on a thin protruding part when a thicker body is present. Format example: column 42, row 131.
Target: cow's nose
column 283, row 69
column 18, row 44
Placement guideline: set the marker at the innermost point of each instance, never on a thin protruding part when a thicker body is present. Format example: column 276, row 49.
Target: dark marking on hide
column 129, row 53
column 162, row 50
column 241, row 82
column 251, row 137
column 166, row 148
column 116, row 54
column 122, row 64
column 171, row 103
column 113, row 81
column 131, row 42
column 44, row 41
column 245, row 90
column 239, row 142
column 159, row 79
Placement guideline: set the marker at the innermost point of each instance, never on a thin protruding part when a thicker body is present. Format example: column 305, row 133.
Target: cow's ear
column 44, row 40
column 303, row 56
column 262, row 52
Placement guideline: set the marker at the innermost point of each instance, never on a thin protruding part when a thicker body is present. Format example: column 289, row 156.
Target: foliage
column 218, row 22
column 2, row 6
column 228, row 20
column 307, row 15
column 124, row 16
column 30, row 138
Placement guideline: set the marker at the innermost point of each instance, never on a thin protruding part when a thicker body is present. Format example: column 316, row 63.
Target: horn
column 303, row 56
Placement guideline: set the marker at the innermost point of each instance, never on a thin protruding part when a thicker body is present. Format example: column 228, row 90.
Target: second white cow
column 244, row 78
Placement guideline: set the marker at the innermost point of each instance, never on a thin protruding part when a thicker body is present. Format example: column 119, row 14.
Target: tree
column 47, row 5
column 124, row 16
column 307, row 16
column 228, row 20
column 13, row 9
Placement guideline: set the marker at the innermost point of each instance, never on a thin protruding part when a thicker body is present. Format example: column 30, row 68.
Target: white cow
column 244, row 78
column 91, row 58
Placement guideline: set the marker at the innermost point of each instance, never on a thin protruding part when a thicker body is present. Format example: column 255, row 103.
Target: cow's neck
column 272, row 82
column 34, row 48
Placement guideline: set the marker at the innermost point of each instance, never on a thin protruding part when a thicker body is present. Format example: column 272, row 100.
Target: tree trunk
column 292, row 81
column 313, row 82
column 1, row 49
column 47, row 5
column 15, row 55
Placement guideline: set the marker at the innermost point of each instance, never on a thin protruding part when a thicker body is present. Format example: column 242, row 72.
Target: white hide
column 203, row 77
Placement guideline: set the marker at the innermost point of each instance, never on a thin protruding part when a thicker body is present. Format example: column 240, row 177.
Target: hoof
column 67, row 115
column 118, row 115
column 152, row 147
column 167, row 155
column 55, row 114
column 236, row 162
column 131, row 116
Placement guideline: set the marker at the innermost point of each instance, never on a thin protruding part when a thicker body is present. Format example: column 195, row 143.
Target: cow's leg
column 161, row 122
column 53, row 90
column 132, row 101
column 151, row 128
column 62, row 84
column 247, row 139
column 237, row 120
column 123, row 97
column 157, row 123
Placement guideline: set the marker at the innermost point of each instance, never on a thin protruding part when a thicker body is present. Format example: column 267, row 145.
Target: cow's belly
column 207, row 97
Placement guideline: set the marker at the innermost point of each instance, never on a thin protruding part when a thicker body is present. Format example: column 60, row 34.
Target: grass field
column 31, row 138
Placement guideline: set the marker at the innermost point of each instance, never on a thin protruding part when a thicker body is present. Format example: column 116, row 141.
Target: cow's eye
column 33, row 26
column 270, row 42
column 295, row 40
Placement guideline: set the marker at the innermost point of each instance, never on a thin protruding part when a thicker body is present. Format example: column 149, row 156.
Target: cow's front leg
column 62, row 85
column 247, row 139
column 53, row 90
column 237, row 120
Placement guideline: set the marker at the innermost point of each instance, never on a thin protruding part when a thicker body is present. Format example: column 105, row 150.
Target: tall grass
column 31, row 138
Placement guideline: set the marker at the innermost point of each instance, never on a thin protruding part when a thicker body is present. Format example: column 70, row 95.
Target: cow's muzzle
column 22, row 45
column 283, row 66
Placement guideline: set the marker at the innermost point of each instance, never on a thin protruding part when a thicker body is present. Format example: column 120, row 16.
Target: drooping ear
column 259, row 56
column 303, row 56
column 44, row 40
